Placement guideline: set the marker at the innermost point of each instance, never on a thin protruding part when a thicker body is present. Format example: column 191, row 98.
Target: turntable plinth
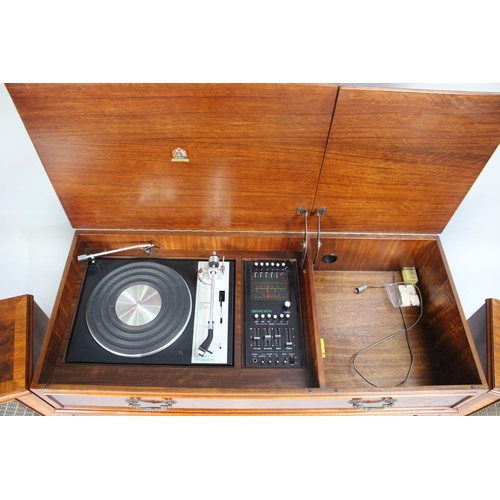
column 380, row 171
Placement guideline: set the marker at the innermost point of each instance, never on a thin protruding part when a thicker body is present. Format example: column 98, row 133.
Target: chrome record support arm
column 146, row 247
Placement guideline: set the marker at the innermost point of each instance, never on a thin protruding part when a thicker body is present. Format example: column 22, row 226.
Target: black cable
column 405, row 330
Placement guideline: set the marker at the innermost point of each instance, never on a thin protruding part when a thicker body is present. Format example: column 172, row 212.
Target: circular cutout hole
column 329, row 258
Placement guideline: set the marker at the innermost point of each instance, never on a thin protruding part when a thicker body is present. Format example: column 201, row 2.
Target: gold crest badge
column 179, row 154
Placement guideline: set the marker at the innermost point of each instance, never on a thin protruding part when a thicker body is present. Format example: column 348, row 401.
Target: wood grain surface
column 255, row 152
column 402, row 161
column 15, row 344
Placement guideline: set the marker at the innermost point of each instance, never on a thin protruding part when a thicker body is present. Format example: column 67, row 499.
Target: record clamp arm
column 147, row 247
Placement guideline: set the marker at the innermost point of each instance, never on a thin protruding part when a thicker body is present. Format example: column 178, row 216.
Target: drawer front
column 355, row 404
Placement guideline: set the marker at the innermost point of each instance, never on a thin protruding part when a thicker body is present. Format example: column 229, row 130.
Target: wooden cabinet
column 351, row 184
column 485, row 328
column 22, row 328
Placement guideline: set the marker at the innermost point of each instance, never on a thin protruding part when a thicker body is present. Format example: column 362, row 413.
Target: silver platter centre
column 138, row 305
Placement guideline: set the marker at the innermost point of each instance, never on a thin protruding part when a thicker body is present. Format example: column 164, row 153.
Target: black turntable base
column 140, row 311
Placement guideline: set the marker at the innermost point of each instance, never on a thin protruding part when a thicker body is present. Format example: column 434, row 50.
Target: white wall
column 35, row 234
column 471, row 240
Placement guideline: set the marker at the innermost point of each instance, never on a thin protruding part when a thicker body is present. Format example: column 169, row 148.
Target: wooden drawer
column 431, row 402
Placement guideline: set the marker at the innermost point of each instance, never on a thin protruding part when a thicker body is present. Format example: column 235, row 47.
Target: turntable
column 154, row 311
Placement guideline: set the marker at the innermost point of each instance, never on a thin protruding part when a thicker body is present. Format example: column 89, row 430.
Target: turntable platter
column 138, row 305
column 139, row 309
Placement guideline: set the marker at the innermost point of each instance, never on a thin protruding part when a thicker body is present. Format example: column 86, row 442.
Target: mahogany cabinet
column 485, row 328
column 22, row 328
column 351, row 184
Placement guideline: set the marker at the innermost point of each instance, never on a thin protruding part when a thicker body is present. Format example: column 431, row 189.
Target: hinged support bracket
column 319, row 213
column 301, row 210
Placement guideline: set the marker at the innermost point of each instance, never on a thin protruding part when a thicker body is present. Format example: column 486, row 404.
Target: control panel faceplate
column 272, row 322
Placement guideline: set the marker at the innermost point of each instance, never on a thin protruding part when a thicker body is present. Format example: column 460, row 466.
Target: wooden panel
column 485, row 328
column 255, row 152
column 403, row 402
column 493, row 342
column 364, row 253
column 402, row 161
column 15, row 344
column 349, row 322
column 454, row 344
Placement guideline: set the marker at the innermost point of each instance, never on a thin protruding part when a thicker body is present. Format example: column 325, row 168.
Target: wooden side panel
column 15, row 344
column 402, row 161
column 485, row 328
column 368, row 254
column 493, row 343
column 453, row 341
column 255, row 152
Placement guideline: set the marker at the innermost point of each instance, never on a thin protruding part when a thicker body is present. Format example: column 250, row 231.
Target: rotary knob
column 287, row 304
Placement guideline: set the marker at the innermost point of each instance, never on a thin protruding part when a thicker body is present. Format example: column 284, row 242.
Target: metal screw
column 335, row 390
column 309, row 390
column 47, row 386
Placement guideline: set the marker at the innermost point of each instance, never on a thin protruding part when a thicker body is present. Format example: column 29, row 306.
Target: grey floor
column 16, row 409
column 489, row 411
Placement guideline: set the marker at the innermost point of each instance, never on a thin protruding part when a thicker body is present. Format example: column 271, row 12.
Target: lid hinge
column 301, row 210
column 319, row 213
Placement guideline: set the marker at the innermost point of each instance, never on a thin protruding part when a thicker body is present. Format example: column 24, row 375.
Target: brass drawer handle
column 360, row 405
column 165, row 404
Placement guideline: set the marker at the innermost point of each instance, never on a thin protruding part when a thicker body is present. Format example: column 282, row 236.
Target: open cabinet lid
column 379, row 160
column 254, row 151
column 402, row 161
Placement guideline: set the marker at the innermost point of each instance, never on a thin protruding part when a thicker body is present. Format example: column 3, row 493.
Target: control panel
column 272, row 321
